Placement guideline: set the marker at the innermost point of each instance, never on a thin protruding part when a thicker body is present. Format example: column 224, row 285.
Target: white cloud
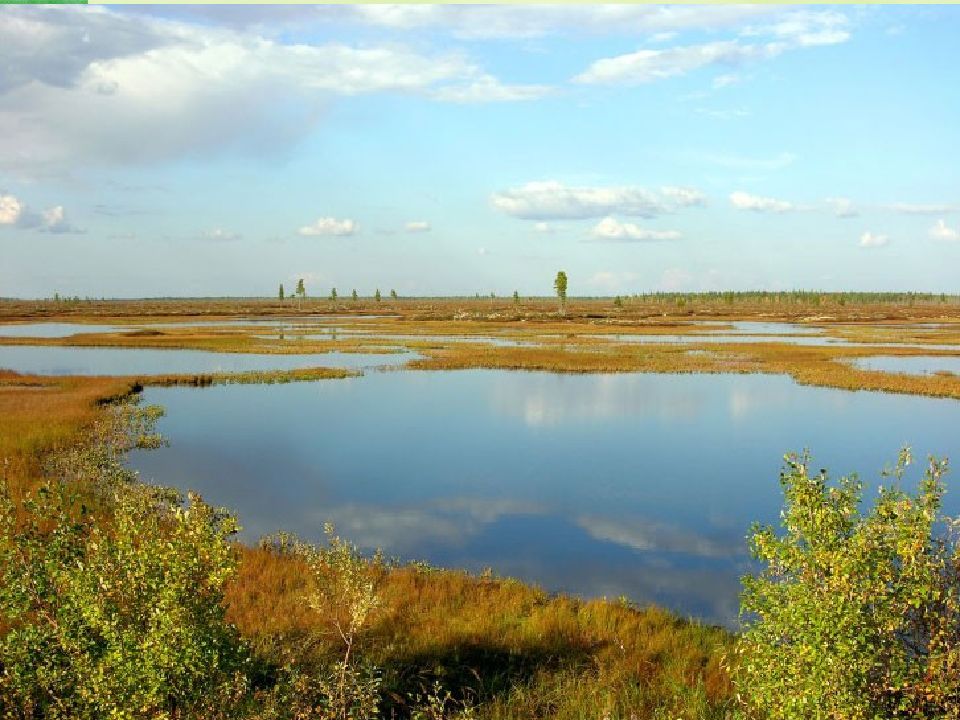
column 219, row 234
column 139, row 89
column 683, row 196
column 15, row 213
column 612, row 230
column 920, row 209
column 796, row 30
column 417, row 226
column 329, row 226
column 11, row 210
column 942, row 231
column 487, row 88
column 871, row 240
column 544, row 227
column 756, row 203
column 843, row 207
column 550, row 200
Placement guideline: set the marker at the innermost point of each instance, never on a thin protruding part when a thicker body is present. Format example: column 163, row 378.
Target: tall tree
column 560, row 285
column 333, row 294
column 516, row 297
column 280, row 295
column 393, row 294
column 376, row 295
column 354, row 295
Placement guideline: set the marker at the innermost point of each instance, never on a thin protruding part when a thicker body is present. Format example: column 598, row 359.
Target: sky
column 453, row 150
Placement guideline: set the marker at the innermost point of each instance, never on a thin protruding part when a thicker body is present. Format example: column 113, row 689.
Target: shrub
column 854, row 615
column 115, row 614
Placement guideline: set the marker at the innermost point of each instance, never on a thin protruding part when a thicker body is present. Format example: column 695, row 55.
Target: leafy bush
column 855, row 615
column 119, row 614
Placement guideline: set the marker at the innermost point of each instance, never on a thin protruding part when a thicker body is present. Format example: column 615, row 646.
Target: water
column 54, row 329
column 910, row 365
column 686, row 339
column 602, row 485
column 56, row 360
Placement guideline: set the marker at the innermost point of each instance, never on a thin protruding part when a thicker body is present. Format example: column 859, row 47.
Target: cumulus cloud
column 843, row 207
column 329, row 226
column 942, row 231
column 15, row 213
column 11, row 210
column 921, row 209
column 551, row 200
column 612, row 230
column 797, row 30
column 873, row 240
column 418, row 226
column 757, row 203
column 94, row 85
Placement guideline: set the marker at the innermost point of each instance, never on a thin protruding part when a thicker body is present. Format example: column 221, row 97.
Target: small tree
column 280, row 294
column 333, row 294
column 560, row 285
column 854, row 615
column 376, row 295
column 301, row 292
column 516, row 297
column 618, row 301
column 393, row 294
column 354, row 295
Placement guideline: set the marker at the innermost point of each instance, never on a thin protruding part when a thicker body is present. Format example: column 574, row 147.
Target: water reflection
column 56, row 360
column 910, row 365
column 642, row 485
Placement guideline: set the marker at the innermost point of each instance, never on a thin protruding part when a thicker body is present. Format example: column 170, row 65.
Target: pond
column 602, row 485
column 57, row 360
column 915, row 365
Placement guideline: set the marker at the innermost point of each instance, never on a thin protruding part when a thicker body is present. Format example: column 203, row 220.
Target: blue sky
column 459, row 149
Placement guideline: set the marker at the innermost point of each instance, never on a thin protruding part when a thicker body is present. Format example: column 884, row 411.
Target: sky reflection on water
column 632, row 484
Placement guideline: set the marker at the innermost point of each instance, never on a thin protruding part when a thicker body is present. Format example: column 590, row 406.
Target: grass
column 516, row 650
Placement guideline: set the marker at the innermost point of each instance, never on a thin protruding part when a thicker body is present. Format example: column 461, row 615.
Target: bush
column 853, row 615
column 119, row 614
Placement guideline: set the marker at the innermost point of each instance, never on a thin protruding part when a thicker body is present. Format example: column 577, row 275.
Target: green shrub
column 854, row 615
column 115, row 614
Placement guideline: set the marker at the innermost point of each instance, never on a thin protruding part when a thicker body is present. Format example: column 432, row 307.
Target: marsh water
column 63, row 360
column 911, row 365
column 602, row 485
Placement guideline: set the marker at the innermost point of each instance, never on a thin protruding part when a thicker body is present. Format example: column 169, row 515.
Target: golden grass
column 520, row 651
column 38, row 414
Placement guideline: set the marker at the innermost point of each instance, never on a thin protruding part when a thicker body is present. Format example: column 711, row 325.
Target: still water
column 914, row 365
column 57, row 360
column 603, row 485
